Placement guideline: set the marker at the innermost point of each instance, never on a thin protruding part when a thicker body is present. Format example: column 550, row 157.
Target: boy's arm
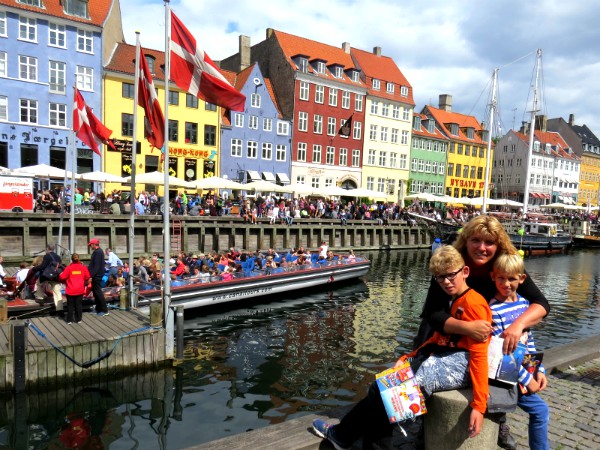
column 532, row 316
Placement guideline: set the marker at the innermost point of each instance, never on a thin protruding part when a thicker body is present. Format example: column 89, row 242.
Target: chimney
column 524, row 127
column 270, row 32
column 377, row 51
column 541, row 123
column 571, row 119
column 346, row 47
column 244, row 45
column 445, row 102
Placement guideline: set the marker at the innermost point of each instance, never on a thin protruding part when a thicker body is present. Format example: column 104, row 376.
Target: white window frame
column 331, row 126
column 375, row 107
column 406, row 114
column 267, row 151
column 345, row 99
column 385, row 109
column 85, row 78
column 384, row 134
column 330, row 155
column 321, row 67
column 304, row 93
column 343, row 156
column 239, row 120
column 57, row 77
column 370, row 183
column 318, row 124
column 315, row 182
column 300, row 179
column 58, row 33
column 255, row 100
column 356, row 157
column 301, row 152
column 283, row 128
column 280, row 152
column 57, row 113
column 357, row 131
column 394, row 139
column 339, row 72
column 372, row 132
column 404, row 138
column 85, row 41
column 253, row 122
column 31, row 108
column 389, row 87
column 3, row 108
column 393, row 160
column 371, row 157
column 28, row 65
column 358, row 102
column 380, row 184
column 236, row 148
column 3, row 64
column 333, row 97
column 267, row 124
column 27, row 28
column 376, row 84
column 319, row 94
column 404, row 91
column 317, row 153
column 403, row 161
column 302, row 121
column 382, row 158
column 3, row 24
column 396, row 111
column 252, row 150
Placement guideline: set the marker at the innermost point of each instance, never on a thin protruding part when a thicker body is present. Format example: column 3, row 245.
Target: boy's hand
column 475, row 423
column 533, row 386
column 542, row 380
column 511, row 337
column 479, row 330
column 400, row 361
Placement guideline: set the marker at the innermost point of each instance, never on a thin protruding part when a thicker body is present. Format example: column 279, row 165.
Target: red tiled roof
column 558, row 144
column 97, row 9
column 123, row 60
column 294, row 45
column 423, row 131
column 443, row 118
column 383, row 68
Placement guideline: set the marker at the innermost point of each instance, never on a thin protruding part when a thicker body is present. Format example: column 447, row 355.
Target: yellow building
column 193, row 135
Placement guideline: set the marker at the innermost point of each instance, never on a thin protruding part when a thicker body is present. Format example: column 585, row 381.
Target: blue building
column 46, row 47
column 255, row 144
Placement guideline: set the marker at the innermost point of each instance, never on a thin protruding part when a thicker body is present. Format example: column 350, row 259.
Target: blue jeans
column 538, row 420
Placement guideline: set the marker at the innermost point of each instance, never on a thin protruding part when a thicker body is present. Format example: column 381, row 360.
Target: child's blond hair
column 509, row 264
column 445, row 259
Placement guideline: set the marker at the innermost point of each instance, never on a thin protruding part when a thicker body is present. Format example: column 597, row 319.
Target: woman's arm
column 532, row 316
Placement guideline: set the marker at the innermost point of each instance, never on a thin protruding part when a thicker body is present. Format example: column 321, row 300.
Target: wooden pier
column 29, row 359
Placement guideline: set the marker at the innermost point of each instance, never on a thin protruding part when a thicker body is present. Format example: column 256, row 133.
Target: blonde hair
column 445, row 259
column 509, row 264
column 490, row 228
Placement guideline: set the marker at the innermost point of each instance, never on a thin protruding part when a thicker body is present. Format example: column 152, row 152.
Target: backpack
column 53, row 270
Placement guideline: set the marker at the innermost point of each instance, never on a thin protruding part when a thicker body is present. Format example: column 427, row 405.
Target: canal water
column 261, row 364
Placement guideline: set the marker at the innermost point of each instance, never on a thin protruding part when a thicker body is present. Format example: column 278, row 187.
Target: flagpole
column 169, row 317
column 133, row 163
column 72, row 207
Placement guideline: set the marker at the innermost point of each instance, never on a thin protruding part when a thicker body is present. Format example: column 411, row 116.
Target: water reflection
column 260, row 364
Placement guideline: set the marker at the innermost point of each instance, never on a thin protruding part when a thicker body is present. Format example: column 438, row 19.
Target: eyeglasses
column 449, row 276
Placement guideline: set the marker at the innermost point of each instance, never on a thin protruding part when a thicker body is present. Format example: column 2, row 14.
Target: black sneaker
column 325, row 430
column 505, row 439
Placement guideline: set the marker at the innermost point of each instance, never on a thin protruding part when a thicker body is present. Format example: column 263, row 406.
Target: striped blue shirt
column 503, row 315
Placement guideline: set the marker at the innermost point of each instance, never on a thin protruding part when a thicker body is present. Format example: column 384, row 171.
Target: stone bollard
column 447, row 423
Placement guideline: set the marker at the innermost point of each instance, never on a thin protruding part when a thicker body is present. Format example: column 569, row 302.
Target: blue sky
column 442, row 47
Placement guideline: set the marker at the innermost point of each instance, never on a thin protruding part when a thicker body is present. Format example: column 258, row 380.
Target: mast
column 534, row 110
column 136, row 83
column 489, row 142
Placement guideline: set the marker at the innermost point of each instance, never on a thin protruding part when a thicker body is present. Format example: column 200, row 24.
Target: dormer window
column 355, row 76
column 389, row 88
column 548, row 148
column 470, row 133
column 37, row 3
column 302, row 64
column 417, row 123
column 536, row 146
column 431, row 126
column 77, row 8
column 320, row 67
column 485, row 135
column 338, row 72
column 403, row 91
column 454, row 129
column 376, row 84
column 150, row 60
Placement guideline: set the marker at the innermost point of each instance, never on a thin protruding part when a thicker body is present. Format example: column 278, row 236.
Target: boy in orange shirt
column 442, row 362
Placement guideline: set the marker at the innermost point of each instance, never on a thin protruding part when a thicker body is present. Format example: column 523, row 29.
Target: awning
column 547, row 196
column 283, row 178
column 269, row 176
column 535, row 195
column 253, row 174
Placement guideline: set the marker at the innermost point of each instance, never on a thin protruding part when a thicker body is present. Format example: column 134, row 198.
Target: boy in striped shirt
column 507, row 306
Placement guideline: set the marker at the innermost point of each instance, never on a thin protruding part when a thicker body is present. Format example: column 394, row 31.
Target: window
column 173, row 98
column 316, row 153
column 27, row 68
column 3, row 23
column 385, row 109
column 343, row 156
column 85, row 78
column 333, row 97
column 318, row 124
column 239, row 120
column 150, row 61
column 85, row 41
column 267, row 151
column 267, row 124
column 280, row 152
column 345, row 99
column 56, row 78
column 468, row 150
column 77, row 8
column 302, row 121
column 319, row 94
column 389, row 88
column 393, row 160
column 382, row 159
column 236, row 148
column 251, row 149
column 394, row 136
column 450, row 170
column 406, row 114
column 209, row 106
column 380, row 184
column 355, row 76
column 210, row 135
column 28, row 111
column 434, row 167
column 320, row 67
column 3, row 108
column 314, row 182
column 255, row 100
column 302, row 65
column 126, row 124
column 328, row 182
column 358, row 102
column 57, row 35
column 376, row 84
column 357, row 131
column 339, row 72
column 173, row 130
column 283, row 128
column 427, row 166
column 384, row 134
column 372, row 132
column 330, row 156
column 459, row 149
column 403, row 161
column 191, row 133
column 300, row 179
column 403, row 91
column 27, row 29
column 355, row 158
column 301, row 152
column 253, row 122
column 404, row 140
column 395, row 111
column 331, row 126
column 191, row 101
column 304, row 91
column 421, row 165
column 58, row 115
column 480, row 173
column 371, row 157
column 127, row 90
column 370, row 182
column 3, row 67
column 374, row 107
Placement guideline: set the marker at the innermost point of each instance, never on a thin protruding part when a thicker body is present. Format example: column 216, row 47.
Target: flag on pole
column 346, row 128
column 154, row 121
column 88, row 128
column 193, row 71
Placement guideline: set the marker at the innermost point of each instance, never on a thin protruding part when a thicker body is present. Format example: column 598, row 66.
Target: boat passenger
column 351, row 257
column 226, row 275
column 195, row 276
column 205, row 274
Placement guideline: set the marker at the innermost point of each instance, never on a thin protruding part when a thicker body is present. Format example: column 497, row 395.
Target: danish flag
column 194, row 72
column 154, row 121
column 88, row 128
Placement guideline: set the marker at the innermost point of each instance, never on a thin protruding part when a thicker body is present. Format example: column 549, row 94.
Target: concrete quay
column 573, row 395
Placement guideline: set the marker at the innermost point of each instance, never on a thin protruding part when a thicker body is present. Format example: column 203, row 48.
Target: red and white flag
column 193, row 71
column 154, row 121
column 88, row 128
